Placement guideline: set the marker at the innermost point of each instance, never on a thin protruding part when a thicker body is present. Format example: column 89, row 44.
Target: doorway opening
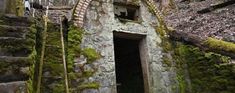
column 129, row 73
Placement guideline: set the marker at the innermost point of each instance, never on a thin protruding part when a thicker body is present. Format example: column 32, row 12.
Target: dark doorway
column 129, row 74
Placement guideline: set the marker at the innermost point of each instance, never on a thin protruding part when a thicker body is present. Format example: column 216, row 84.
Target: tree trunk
column 206, row 44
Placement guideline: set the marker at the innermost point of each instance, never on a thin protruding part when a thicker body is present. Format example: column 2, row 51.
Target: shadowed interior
column 128, row 66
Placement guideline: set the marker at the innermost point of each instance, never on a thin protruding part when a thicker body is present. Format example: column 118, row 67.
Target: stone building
column 124, row 33
column 120, row 46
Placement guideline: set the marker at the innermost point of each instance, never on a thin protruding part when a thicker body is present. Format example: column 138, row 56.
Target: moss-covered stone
column 32, row 58
column 206, row 72
column 220, row 45
column 75, row 35
column 92, row 85
column 91, row 54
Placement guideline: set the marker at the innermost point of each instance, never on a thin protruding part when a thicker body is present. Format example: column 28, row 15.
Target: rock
column 25, row 70
column 13, row 87
column 90, row 91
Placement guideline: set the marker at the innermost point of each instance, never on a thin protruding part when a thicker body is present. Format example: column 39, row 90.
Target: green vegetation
column 206, row 72
column 220, row 45
column 32, row 57
column 75, row 35
column 134, row 2
column 197, row 71
column 92, row 85
column 19, row 8
column 91, row 54
column 53, row 66
column 59, row 88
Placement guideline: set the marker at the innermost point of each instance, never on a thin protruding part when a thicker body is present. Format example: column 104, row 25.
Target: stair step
column 13, row 42
column 13, row 60
column 6, row 41
column 15, row 20
column 14, row 52
column 14, row 68
column 13, row 31
column 13, row 87
column 13, row 75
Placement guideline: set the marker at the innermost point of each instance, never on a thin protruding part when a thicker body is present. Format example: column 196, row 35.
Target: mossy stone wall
column 208, row 72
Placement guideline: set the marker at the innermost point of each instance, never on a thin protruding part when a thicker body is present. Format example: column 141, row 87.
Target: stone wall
column 55, row 13
column 100, row 24
column 2, row 6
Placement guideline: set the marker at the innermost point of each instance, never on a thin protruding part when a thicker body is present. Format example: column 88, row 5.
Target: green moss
column 91, row 54
column 32, row 58
column 74, row 40
column 55, row 68
column 135, row 2
column 53, row 58
column 75, row 35
column 206, row 72
column 181, row 83
column 220, row 45
column 92, row 85
column 162, row 31
column 87, row 73
column 167, row 61
column 74, row 76
column 59, row 88
column 19, row 8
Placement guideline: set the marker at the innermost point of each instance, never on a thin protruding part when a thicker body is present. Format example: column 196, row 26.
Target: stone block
column 13, row 87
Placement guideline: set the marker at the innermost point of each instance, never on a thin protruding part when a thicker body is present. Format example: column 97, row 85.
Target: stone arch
column 79, row 12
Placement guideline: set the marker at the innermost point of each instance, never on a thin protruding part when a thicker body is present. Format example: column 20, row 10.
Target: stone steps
column 13, row 42
column 14, row 68
column 15, row 20
column 16, row 44
column 14, row 52
column 13, row 75
column 20, row 61
column 10, row 41
column 13, row 87
column 13, row 31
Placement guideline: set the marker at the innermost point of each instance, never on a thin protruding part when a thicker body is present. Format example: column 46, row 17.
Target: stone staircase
column 52, row 75
column 80, row 11
column 16, row 44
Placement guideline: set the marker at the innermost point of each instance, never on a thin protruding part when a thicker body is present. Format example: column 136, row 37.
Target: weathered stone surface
column 54, row 15
column 2, row 6
column 90, row 91
column 13, row 87
column 16, row 44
